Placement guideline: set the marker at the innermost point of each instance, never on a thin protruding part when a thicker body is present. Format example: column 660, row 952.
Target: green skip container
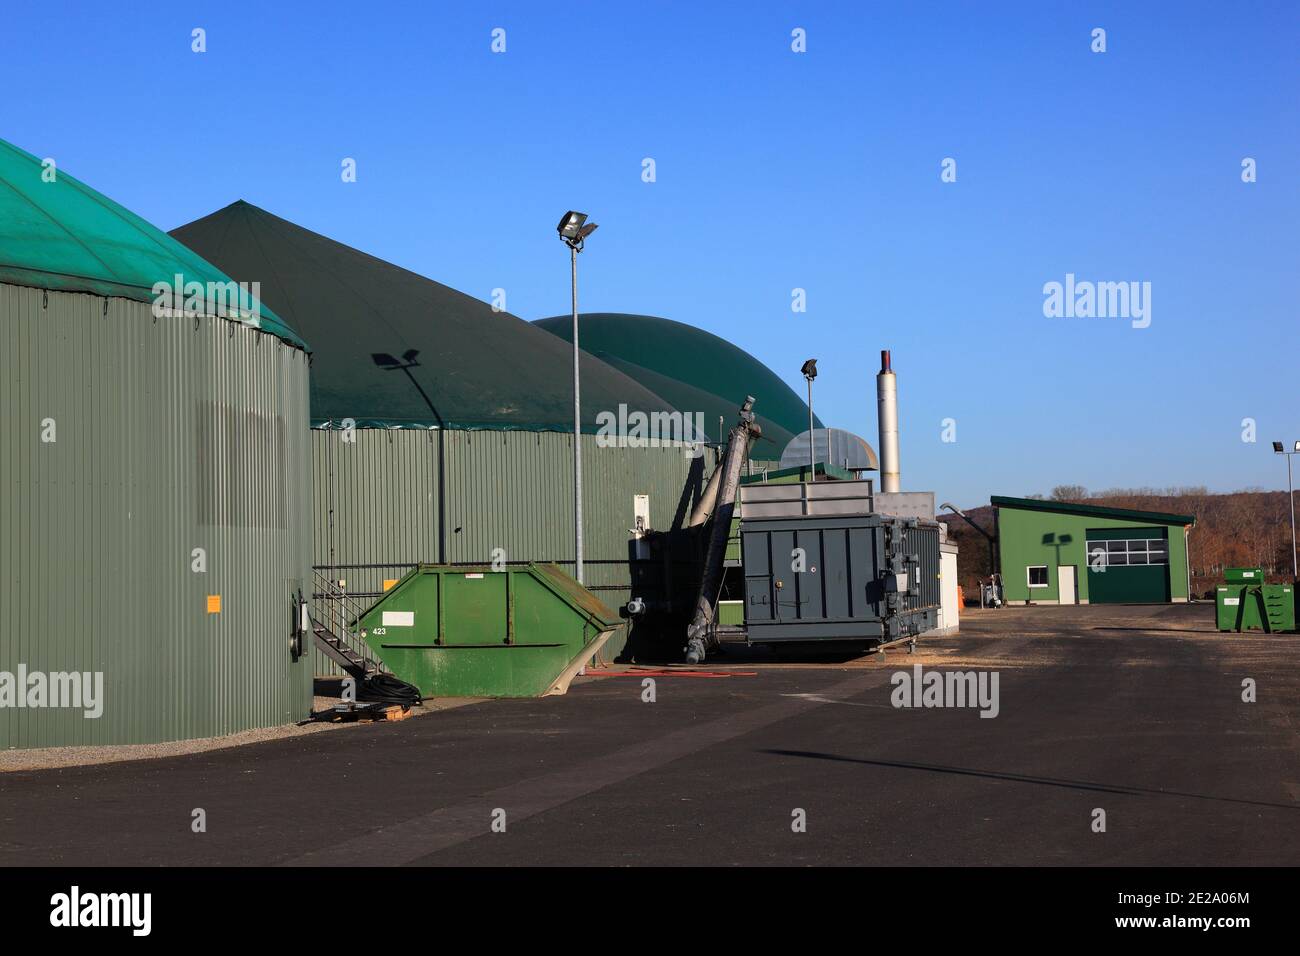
column 471, row 631
column 1246, row 603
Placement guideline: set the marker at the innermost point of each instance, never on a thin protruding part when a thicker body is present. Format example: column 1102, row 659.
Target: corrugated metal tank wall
column 170, row 435
column 377, row 502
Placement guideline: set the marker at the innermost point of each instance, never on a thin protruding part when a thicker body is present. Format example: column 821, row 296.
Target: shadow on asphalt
column 737, row 652
column 1163, row 630
column 1023, row 778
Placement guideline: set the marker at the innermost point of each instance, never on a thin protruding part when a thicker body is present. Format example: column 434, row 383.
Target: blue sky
column 775, row 170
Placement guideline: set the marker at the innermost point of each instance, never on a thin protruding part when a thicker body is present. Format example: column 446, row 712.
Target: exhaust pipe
column 887, row 401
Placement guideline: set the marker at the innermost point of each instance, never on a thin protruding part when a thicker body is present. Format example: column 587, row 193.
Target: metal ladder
column 330, row 612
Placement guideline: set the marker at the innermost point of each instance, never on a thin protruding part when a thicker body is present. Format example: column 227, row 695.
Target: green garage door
column 1128, row 565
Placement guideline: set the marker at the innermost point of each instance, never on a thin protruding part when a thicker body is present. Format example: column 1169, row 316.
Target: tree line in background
column 1240, row 529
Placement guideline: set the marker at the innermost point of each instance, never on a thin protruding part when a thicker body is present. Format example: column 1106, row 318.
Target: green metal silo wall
column 382, row 500
column 170, row 435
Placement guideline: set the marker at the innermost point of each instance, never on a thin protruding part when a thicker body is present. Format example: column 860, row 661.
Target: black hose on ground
column 387, row 689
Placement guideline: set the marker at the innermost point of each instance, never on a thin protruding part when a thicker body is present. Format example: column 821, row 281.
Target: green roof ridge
column 1096, row 511
column 64, row 236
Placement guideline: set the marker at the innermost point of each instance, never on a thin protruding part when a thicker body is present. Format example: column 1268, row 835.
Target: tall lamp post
column 1290, row 500
column 993, row 557
column 407, row 362
column 574, row 230
column 809, row 370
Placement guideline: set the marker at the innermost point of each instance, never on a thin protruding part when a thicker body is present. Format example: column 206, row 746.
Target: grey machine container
column 832, row 498
column 864, row 578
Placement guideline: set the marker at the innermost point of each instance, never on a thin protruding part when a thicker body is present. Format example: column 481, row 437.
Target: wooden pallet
column 349, row 713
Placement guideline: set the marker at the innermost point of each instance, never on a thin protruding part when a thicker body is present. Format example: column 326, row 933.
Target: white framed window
column 1036, row 575
column 1120, row 552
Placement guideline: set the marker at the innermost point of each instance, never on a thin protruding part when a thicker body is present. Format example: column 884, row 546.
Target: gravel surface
column 47, row 758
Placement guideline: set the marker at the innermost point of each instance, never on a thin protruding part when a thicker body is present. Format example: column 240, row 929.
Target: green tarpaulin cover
column 57, row 233
column 392, row 348
column 695, row 370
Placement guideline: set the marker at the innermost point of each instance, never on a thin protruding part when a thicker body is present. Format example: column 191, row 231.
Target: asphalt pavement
column 1128, row 716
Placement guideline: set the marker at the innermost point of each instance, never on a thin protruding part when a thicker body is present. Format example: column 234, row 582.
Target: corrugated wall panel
column 170, row 435
column 377, row 501
column 376, row 496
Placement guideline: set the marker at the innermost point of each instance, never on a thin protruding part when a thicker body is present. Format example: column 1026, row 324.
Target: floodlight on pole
column 574, row 230
column 569, row 225
column 809, row 370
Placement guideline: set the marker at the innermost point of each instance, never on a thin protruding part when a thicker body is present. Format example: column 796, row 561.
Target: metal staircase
column 331, row 611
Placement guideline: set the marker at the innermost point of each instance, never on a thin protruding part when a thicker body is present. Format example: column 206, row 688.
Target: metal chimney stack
column 887, row 399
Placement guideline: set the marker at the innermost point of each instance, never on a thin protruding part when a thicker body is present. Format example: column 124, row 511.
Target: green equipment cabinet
column 471, row 631
column 1245, row 603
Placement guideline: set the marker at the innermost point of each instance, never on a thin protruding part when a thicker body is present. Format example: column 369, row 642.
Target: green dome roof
column 367, row 319
column 64, row 236
column 694, row 370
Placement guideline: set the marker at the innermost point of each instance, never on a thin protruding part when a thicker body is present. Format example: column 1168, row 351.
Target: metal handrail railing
column 337, row 610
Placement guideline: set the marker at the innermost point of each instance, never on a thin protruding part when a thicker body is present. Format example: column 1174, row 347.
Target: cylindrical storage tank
column 157, row 485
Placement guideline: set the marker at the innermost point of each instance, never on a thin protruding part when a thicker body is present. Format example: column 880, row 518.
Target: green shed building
column 1059, row 553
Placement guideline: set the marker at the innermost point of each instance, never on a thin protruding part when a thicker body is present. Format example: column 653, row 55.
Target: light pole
column 1290, row 500
column 993, row 557
column 809, row 370
column 407, row 362
column 574, row 230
